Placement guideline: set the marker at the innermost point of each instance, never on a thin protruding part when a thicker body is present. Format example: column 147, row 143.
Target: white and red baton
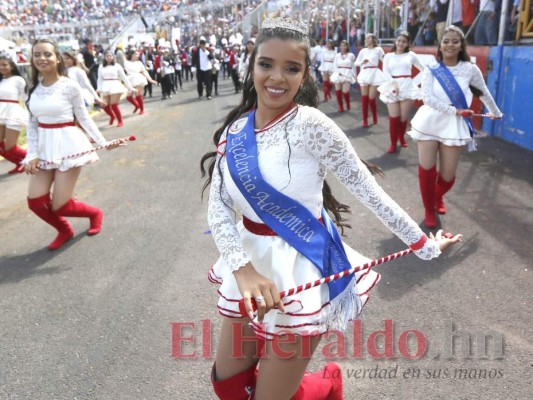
column 126, row 139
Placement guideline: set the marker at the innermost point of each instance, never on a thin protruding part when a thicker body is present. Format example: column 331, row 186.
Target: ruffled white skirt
column 430, row 124
column 306, row 312
column 112, row 86
column 326, row 67
column 398, row 90
column 56, row 144
column 343, row 75
column 137, row 79
column 371, row 77
column 13, row 116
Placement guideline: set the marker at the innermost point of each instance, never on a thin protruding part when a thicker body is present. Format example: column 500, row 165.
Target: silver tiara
column 286, row 23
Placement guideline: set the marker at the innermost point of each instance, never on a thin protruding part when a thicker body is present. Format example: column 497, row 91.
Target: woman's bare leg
column 64, row 184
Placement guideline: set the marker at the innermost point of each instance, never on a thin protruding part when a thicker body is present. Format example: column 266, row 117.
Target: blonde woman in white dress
column 399, row 93
column 139, row 78
column 343, row 75
column 111, row 81
column 370, row 76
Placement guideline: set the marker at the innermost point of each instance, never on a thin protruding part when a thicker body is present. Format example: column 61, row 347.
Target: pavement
column 102, row 317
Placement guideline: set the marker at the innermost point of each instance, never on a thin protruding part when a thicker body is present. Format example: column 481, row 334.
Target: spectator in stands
column 487, row 24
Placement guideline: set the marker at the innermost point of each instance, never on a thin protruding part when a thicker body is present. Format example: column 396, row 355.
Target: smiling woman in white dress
column 138, row 77
column 55, row 103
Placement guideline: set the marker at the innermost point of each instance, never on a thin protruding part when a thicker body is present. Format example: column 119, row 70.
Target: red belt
column 401, row 76
column 261, row 229
column 346, row 67
column 368, row 67
column 56, row 126
column 9, row 101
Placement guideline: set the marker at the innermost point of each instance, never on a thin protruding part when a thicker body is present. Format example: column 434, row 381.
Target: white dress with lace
column 436, row 119
column 370, row 74
column 398, row 70
column 344, row 68
column 111, row 79
column 294, row 154
column 57, row 104
column 12, row 114
column 328, row 57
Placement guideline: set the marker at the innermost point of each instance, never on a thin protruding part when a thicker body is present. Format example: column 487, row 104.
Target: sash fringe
column 342, row 309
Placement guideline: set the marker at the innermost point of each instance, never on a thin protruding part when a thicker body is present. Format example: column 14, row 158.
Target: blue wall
column 510, row 80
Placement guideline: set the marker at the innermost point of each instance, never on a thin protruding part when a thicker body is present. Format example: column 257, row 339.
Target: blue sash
column 321, row 244
column 453, row 90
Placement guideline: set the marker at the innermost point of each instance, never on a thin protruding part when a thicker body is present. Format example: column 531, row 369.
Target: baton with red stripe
column 126, row 139
column 339, row 275
column 466, row 114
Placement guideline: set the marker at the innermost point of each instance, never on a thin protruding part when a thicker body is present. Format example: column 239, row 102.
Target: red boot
column 338, row 93
column 401, row 134
column 73, row 208
column 427, row 180
column 109, row 111
column 347, row 100
column 237, row 387
column 133, row 101
column 42, row 207
column 441, row 188
column 140, row 101
column 322, row 385
column 118, row 114
column 373, row 108
column 329, row 87
column 364, row 110
column 15, row 155
column 394, row 127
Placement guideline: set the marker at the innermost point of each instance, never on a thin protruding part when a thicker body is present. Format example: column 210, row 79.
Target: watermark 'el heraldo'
column 194, row 340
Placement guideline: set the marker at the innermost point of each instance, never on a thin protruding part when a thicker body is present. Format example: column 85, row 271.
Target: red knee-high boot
column 374, row 109
column 118, row 114
column 427, row 179
column 401, row 134
column 237, row 387
column 42, row 207
column 347, row 100
column 364, row 110
column 133, row 101
column 394, row 128
column 15, row 155
column 325, row 89
column 441, row 188
column 73, row 208
column 140, row 101
column 109, row 111
column 321, row 385
column 338, row 93
column 328, row 86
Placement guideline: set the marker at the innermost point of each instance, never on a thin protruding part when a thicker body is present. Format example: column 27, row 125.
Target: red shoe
column 73, row 208
column 441, row 188
column 394, row 126
column 338, row 93
column 323, row 385
column 427, row 180
column 17, row 170
column 238, row 387
column 120, row 124
column 42, row 207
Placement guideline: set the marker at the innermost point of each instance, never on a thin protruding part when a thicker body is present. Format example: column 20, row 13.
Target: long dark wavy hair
column 463, row 54
column 307, row 95
column 61, row 69
column 14, row 69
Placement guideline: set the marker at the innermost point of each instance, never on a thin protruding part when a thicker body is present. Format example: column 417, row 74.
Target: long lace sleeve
column 123, row 77
column 100, row 80
column 82, row 115
column 430, row 99
column 84, row 82
column 359, row 59
column 32, row 138
column 221, row 220
column 478, row 82
column 325, row 141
